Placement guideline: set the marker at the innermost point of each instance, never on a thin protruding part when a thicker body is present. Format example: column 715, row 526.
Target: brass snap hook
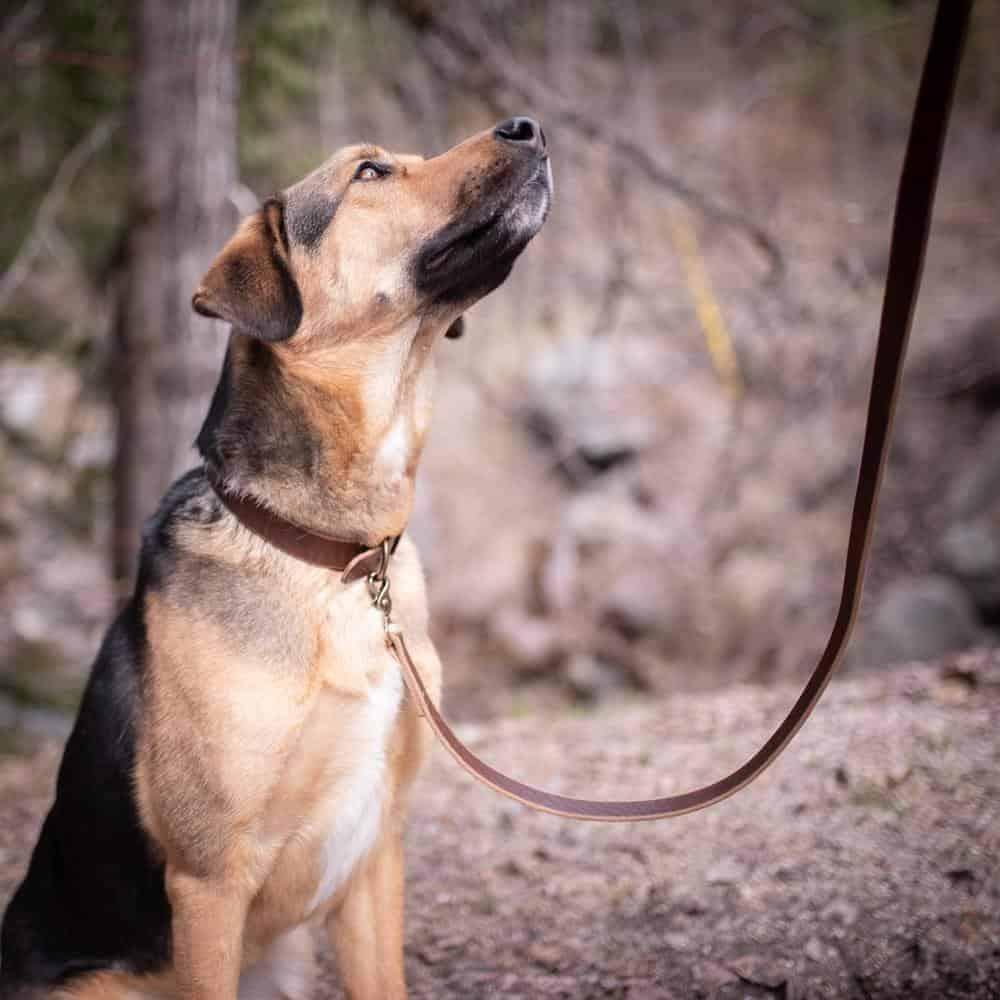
column 378, row 582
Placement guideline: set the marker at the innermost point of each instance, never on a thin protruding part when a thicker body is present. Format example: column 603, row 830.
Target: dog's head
column 372, row 239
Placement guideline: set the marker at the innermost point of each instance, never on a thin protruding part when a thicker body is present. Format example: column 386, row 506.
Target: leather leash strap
column 909, row 242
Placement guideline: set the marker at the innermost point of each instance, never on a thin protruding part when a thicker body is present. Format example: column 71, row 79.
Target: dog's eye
column 369, row 171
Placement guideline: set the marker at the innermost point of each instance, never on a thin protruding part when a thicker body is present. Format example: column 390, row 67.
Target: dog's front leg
column 208, row 919
column 366, row 930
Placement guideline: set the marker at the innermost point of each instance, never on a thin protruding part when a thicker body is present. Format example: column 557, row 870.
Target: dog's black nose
column 524, row 131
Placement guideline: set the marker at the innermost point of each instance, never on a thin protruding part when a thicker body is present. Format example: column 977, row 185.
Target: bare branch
column 70, row 167
column 476, row 48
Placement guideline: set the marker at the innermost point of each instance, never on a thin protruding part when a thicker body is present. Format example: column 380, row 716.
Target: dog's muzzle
column 474, row 253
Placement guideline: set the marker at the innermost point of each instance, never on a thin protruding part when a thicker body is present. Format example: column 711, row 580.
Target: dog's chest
column 345, row 756
column 350, row 813
column 357, row 712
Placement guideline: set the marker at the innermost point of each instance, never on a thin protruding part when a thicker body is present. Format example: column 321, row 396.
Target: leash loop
column 911, row 226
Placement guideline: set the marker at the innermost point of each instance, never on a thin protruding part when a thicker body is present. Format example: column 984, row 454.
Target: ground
column 863, row 864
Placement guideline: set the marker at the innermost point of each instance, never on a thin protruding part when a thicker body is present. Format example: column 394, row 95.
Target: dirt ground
column 864, row 864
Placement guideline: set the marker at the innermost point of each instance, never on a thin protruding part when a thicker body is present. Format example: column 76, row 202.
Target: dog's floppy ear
column 457, row 329
column 249, row 284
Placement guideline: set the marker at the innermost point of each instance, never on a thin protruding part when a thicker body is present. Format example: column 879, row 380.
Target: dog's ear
column 457, row 329
column 250, row 284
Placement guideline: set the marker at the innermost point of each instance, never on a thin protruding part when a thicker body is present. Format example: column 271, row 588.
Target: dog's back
column 94, row 896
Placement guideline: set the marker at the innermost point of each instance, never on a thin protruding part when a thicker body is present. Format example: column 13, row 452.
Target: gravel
column 863, row 864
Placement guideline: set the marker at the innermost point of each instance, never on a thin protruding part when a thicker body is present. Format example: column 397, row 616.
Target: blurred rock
column 966, row 366
column 977, row 487
column 37, row 400
column 592, row 678
column 531, row 643
column 557, row 577
column 814, row 949
column 726, row 871
column 918, row 619
column 971, row 551
column 712, row 976
column 578, row 460
column 578, row 405
column 841, row 911
column 93, row 443
column 761, row 970
column 970, row 546
column 634, row 604
column 750, row 583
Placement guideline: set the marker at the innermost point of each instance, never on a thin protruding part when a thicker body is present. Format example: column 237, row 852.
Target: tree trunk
column 183, row 135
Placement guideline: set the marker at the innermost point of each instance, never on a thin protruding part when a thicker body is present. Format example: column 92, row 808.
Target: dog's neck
column 327, row 437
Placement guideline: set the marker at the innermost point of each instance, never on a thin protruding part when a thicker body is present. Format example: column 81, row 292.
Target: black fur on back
column 94, row 894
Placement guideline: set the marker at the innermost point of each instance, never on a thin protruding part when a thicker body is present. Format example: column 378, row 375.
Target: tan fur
column 240, row 757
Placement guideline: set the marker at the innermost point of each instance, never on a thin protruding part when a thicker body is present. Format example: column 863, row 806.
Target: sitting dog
column 239, row 768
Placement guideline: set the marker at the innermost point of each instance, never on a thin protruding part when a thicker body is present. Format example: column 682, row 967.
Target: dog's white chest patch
column 353, row 826
column 394, row 451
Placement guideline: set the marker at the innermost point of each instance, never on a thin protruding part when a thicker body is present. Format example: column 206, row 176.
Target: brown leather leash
column 909, row 242
column 911, row 225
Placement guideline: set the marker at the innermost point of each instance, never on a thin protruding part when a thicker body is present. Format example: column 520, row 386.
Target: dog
column 239, row 768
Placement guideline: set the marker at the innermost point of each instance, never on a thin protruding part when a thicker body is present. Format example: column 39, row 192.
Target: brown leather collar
column 351, row 559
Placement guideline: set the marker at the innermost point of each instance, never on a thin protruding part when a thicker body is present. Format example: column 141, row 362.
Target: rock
column 749, row 584
column 548, row 956
column 919, row 619
column 967, row 364
column 814, row 949
column 841, row 910
column 728, row 871
column 530, row 642
column 970, row 550
column 577, row 461
column 37, row 400
column 592, row 678
column 760, row 970
column 577, row 405
column 970, row 546
column 711, row 975
column 976, row 488
column 678, row 940
column 93, row 444
column 635, row 605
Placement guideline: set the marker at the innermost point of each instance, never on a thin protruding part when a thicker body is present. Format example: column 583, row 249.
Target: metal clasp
column 378, row 584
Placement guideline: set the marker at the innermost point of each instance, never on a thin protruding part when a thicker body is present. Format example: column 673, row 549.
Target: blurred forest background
column 643, row 456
